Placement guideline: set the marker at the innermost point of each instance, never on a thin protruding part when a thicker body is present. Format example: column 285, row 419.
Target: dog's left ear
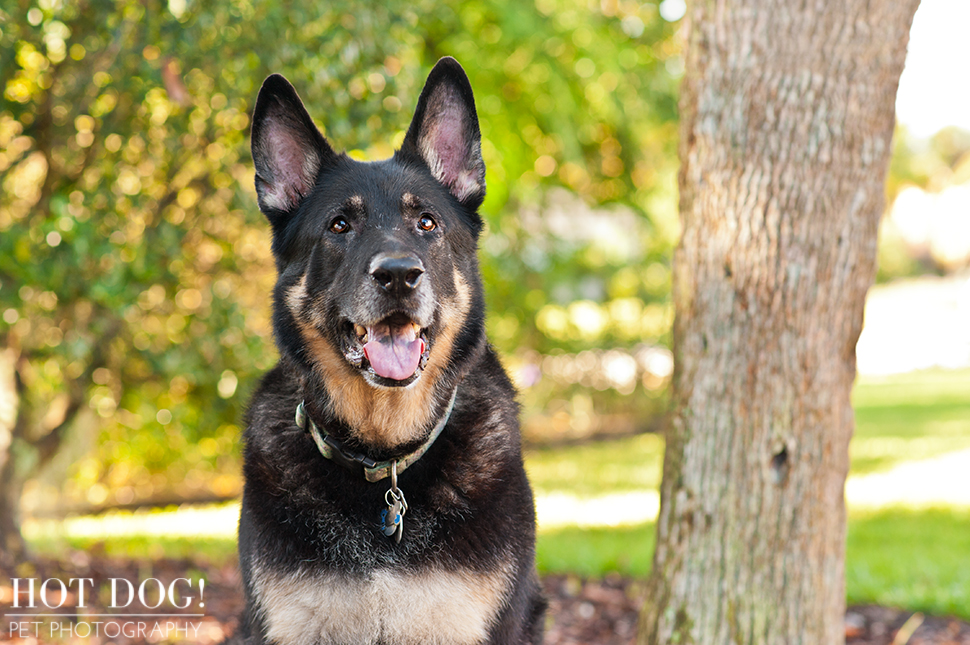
column 444, row 133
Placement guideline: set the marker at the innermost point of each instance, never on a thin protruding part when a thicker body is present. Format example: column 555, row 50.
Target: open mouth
column 395, row 349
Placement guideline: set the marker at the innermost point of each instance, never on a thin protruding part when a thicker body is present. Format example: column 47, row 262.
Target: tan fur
column 453, row 607
column 410, row 201
column 383, row 417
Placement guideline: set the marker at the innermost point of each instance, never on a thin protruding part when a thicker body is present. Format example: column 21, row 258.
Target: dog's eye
column 426, row 223
column 339, row 225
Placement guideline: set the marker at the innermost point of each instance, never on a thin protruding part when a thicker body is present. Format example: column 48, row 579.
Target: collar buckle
column 345, row 457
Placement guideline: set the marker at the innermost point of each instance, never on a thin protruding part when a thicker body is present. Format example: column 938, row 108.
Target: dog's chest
column 385, row 606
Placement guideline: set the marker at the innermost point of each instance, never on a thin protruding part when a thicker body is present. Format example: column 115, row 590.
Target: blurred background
column 135, row 269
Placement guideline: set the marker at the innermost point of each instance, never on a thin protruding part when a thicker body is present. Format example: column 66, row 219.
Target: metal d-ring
column 394, row 492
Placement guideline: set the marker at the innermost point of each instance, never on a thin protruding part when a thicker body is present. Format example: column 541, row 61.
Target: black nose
column 398, row 275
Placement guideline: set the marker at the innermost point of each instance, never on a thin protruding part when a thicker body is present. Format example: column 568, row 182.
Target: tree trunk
column 11, row 543
column 12, row 547
column 787, row 115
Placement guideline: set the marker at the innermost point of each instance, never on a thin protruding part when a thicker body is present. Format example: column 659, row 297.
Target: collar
column 374, row 471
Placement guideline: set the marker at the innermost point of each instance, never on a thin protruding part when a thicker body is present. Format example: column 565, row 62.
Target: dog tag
column 392, row 518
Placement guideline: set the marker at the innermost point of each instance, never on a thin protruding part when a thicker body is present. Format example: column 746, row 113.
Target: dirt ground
column 604, row 612
column 581, row 612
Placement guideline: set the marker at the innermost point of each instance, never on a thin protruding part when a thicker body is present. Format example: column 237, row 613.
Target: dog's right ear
column 288, row 149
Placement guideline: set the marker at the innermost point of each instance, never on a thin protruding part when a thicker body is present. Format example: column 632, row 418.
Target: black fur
column 308, row 536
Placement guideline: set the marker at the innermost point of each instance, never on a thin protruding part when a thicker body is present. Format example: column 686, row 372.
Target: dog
column 385, row 499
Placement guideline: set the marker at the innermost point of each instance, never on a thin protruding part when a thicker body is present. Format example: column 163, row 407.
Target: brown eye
column 339, row 225
column 426, row 223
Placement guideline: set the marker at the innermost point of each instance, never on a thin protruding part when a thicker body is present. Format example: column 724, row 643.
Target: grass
column 915, row 559
column 918, row 560
column 141, row 547
column 594, row 552
column 909, row 416
column 898, row 418
column 618, row 466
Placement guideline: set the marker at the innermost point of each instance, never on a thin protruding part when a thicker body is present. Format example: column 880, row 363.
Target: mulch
column 581, row 611
column 605, row 612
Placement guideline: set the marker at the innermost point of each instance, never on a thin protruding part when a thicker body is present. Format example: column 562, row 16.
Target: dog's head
column 378, row 276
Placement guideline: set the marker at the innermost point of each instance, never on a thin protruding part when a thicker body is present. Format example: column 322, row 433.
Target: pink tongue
column 393, row 352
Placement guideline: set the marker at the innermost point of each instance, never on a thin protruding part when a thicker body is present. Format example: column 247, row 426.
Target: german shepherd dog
column 385, row 498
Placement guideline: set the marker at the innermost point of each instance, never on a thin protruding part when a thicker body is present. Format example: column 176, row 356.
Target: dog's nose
column 396, row 274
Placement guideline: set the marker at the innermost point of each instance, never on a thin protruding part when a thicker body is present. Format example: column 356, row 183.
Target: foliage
column 931, row 164
column 578, row 96
column 933, row 239
column 134, row 266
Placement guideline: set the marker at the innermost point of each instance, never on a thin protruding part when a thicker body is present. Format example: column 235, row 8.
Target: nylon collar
column 374, row 471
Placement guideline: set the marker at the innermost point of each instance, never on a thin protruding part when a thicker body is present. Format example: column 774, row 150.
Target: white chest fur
column 439, row 607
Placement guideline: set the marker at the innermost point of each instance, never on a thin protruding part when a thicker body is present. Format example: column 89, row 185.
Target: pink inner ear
column 444, row 146
column 445, row 138
column 294, row 165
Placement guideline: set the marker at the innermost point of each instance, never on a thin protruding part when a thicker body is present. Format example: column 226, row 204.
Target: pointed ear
column 444, row 133
column 288, row 149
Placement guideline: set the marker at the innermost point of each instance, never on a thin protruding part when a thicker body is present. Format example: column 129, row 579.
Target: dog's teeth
column 360, row 331
column 417, row 329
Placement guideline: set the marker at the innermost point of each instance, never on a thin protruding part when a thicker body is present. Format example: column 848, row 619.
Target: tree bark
column 12, row 546
column 787, row 115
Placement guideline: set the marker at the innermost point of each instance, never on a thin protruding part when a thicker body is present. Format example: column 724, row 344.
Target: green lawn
column 918, row 560
column 898, row 418
column 618, row 466
column 915, row 559
column 218, row 550
column 594, row 552
column 909, row 416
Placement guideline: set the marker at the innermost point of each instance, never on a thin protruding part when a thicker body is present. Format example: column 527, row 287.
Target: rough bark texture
column 11, row 543
column 787, row 116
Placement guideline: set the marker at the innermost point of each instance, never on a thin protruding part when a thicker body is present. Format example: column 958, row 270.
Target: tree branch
column 48, row 445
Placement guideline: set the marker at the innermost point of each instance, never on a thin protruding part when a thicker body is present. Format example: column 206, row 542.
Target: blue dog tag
column 392, row 518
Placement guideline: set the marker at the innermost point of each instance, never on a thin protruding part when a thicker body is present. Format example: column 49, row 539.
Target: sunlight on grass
column 596, row 503
column 909, row 416
column 619, row 466
column 924, row 387
column 179, row 532
column 939, row 481
column 215, row 520
column 919, row 560
column 556, row 510
column 899, row 418
column 140, row 547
